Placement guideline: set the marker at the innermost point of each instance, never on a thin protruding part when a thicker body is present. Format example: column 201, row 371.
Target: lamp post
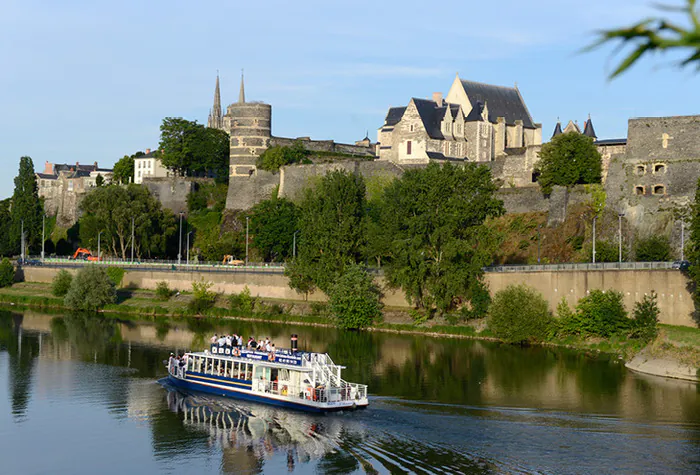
column 21, row 243
column 43, row 230
column 99, row 235
column 179, row 246
column 539, row 226
column 294, row 244
column 594, row 218
column 682, row 240
column 619, row 232
column 132, row 239
column 247, row 222
column 188, row 247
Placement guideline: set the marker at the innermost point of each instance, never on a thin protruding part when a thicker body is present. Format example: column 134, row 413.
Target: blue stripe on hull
column 191, row 385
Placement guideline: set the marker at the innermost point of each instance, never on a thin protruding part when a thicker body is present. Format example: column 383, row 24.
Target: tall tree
column 569, row 159
column 658, row 35
column 434, row 219
column 191, row 149
column 124, row 170
column 110, row 209
column 273, row 225
column 331, row 231
column 26, row 208
column 5, row 225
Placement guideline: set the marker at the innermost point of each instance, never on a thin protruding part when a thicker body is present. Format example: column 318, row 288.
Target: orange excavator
column 85, row 255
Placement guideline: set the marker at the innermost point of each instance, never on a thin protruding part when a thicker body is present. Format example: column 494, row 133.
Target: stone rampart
column 675, row 302
column 172, row 192
column 324, row 146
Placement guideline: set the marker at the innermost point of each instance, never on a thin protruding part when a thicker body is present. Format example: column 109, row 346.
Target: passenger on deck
column 222, row 341
column 251, row 343
column 229, row 341
column 240, row 341
column 214, row 339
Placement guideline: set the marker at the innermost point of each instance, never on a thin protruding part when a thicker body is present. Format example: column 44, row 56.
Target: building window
column 641, row 170
column 70, row 185
column 408, row 148
column 659, row 190
column 659, row 168
column 411, row 128
column 639, row 190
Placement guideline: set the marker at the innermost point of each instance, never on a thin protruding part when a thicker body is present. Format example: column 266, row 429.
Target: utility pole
column 179, row 246
column 594, row 218
column 619, row 232
column 682, row 240
column 538, row 242
column 247, row 219
column 21, row 244
column 132, row 239
column 43, row 230
column 188, row 247
column 99, row 235
column 294, row 245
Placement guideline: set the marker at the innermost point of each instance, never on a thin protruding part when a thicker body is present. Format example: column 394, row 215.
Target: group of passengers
column 236, row 341
column 177, row 364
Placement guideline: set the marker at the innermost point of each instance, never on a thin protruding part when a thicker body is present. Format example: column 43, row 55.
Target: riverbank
column 675, row 353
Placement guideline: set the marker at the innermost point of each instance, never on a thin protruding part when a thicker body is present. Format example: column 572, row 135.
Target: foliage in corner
column 91, row 289
column 355, row 299
column 61, row 283
column 519, row 314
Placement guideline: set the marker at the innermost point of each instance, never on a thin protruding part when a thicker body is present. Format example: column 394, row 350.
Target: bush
column 519, row 314
column 91, row 289
column 61, row 283
column 7, row 273
column 116, row 274
column 354, row 299
column 243, row 301
column 653, row 249
column 203, row 299
column 600, row 313
column 645, row 325
column 163, row 291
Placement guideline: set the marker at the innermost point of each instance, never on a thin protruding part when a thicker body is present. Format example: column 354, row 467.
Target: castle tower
column 216, row 120
column 250, row 126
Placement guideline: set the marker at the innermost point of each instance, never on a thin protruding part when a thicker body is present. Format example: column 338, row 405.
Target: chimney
column 95, row 166
column 437, row 98
column 148, row 150
column 77, row 164
column 48, row 168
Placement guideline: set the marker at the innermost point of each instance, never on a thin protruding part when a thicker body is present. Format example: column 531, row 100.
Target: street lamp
column 539, row 226
column 179, row 246
column 21, row 243
column 682, row 240
column 132, row 239
column 247, row 222
column 43, row 230
column 99, row 235
column 619, row 232
column 188, row 247
column 294, row 244
column 594, row 218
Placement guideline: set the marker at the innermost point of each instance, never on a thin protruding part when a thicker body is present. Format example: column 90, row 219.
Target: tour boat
column 286, row 377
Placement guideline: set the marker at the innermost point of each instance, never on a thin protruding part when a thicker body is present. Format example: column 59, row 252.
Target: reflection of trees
column 515, row 369
column 22, row 352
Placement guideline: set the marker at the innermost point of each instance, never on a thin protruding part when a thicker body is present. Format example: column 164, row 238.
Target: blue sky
column 84, row 81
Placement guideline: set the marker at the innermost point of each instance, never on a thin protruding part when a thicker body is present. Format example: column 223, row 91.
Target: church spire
column 215, row 115
column 241, row 94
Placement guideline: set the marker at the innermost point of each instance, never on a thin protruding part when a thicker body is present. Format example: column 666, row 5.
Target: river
column 86, row 395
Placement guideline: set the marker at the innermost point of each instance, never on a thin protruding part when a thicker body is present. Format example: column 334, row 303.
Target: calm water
column 82, row 395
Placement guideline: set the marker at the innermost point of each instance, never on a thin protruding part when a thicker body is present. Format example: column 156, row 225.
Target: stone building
column 475, row 122
column 249, row 124
column 149, row 166
column 62, row 186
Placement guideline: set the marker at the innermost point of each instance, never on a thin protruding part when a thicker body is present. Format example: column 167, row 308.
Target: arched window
column 659, row 168
column 659, row 190
column 639, row 190
column 641, row 170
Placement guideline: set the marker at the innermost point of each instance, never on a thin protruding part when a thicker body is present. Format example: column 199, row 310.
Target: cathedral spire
column 215, row 114
column 241, row 94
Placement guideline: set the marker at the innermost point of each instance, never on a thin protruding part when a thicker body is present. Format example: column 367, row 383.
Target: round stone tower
column 249, row 125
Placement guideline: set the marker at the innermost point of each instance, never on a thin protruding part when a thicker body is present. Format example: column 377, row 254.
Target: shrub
column 61, row 283
column 91, row 289
column 116, row 274
column 163, row 291
column 202, row 299
column 653, row 249
column 519, row 314
column 645, row 325
column 600, row 313
column 354, row 299
column 243, row 301
column 7, row 273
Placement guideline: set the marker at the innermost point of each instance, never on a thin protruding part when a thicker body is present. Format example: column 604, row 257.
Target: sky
column 85, row 81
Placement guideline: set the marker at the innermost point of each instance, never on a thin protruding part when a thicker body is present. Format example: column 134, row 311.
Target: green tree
column 355, row 299
column 99, row 180
column 434, row 218
column 191, row 149
column 278, row 156
column 602, row 313
column 61, row 283
column 273, row 224
column 6, row 246
column 646, row 318
column 569, row 159
column 331, row 231
column 202, row 298
column 653, row 249
column 91, row 289
column 124, row 170
column 693, row 251
column 519, row 314
column 7, row 273
column 110, row 209
column 657, row 35
column 26, row 208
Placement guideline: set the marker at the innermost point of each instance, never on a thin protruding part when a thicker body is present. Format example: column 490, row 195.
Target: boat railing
column 324, row 394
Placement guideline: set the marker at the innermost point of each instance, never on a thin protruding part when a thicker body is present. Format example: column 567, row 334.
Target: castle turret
column 216, row 120
column 241, row 93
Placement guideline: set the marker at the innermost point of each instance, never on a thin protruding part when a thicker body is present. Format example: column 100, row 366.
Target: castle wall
column 172, row 192
column 324, row 146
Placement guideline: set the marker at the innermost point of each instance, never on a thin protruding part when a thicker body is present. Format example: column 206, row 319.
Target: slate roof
column 46, row 176
column 431, row 115
column 588, row 129
column 557, row 130
column 394, row 115
column 475, row 114
column 502, row 102
column 611, row 142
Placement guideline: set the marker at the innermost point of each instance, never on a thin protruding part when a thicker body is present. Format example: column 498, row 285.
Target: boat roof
column 270, row 364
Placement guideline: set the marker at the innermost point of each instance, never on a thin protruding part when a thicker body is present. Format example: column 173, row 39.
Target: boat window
column 284, row 374
column 249, row 372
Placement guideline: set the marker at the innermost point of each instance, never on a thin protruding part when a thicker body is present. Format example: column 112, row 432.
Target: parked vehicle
column 681, row 265
column 229, row 260
column 84, row 254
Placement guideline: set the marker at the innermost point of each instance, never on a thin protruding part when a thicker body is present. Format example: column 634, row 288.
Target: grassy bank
column 681, row 343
